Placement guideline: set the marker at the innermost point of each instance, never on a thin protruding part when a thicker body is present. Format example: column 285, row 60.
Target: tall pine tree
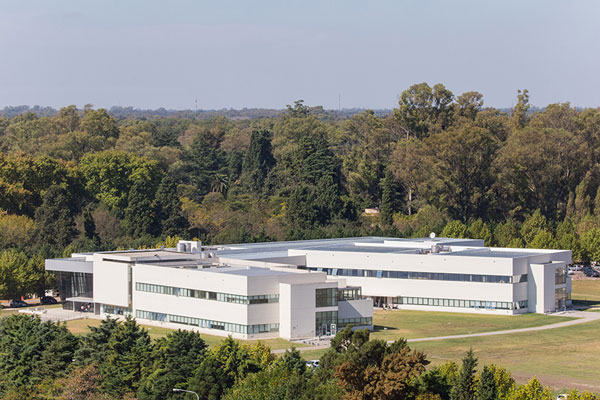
column 464, row 386
column 391, row 197
column 169, row 220
column 258, row 161
column 138, row 214
column 54, row 219
column 486, row 387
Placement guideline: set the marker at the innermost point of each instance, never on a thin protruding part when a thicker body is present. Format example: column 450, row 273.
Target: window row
column 115, row 310
column 494, row 305
column 209, row 324
column 343, row 322
column 369, row 273
column 350, row 293
column 207, row 295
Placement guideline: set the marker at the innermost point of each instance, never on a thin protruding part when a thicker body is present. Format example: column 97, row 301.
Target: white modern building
column 191, row 288
column 309, row 288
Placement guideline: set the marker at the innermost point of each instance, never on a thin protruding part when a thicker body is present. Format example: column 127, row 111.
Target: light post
column 186, row 391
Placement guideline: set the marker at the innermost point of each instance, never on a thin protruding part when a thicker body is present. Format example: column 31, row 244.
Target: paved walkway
column 581, row 317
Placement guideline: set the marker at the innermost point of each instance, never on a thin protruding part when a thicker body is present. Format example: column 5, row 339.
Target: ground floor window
column 460, row 303
column 116, row 310
column 208, row 324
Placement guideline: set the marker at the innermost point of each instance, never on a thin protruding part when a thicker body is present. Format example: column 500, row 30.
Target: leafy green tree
column 486, row 386
column 258, row 161
column 504, row 381
column 128, row 351
column 454, row 229
column 480, row 230
column 590, row 245
column 223, row 366
column 94, row 348
column 174, row 360
column 533, row 225
column 543, row 240
column 469, row 104
column 506, row 234
column 461, row 175
column 109, row 176
column 464, row 386
column 99, row 123
column 32, row 351
column 533, row 390
column 519, row 113
column 525, row 179
column 68, row 118
column 422, row 109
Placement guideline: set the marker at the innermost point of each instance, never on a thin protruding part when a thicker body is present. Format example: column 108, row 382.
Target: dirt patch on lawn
column 559, row 382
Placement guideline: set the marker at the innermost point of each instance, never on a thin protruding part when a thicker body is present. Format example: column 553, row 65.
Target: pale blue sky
column 151, row 54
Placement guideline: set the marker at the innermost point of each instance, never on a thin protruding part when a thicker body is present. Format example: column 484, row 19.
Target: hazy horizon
column 237, row 55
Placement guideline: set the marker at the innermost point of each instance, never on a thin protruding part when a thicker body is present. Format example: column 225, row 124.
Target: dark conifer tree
column 138, row 214
column 54, row 219
column 464, row 388
column 258, row 161
column 486, row 388
column 167, row 209
column 390, row 198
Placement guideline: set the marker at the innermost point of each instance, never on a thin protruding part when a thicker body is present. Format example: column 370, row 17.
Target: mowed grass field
column 586, row 293
column 561, row 358
column 418, row 324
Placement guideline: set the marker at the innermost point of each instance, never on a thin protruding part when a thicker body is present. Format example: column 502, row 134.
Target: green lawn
column 417, row 324
column 81, row 327
column 586, row 293
column 562, row 357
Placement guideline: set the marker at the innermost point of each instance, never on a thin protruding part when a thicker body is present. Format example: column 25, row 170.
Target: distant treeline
column 130, row 112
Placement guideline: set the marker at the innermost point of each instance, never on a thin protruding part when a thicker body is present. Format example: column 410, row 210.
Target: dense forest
column 82, row 180
column 119, row 360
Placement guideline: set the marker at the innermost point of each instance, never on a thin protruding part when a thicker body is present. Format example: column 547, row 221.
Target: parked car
column 588, row 272
column 595, row 274
column 578, row 267
column 48, row 300
column 313, row 363
column 571, row 272
column 17, row 303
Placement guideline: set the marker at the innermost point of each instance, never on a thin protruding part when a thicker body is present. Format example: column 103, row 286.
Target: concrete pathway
column 581, row 317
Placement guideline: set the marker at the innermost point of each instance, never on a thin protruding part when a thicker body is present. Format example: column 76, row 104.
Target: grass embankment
column 418, row 324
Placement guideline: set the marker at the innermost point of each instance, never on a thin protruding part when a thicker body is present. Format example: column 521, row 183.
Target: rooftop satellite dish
column 432, row 235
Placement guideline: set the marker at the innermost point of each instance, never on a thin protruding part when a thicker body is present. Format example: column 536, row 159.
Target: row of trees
column 84, row 180
column 118, row 360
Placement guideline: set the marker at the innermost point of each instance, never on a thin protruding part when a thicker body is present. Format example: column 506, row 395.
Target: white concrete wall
column 355, row 308
column 111, row 282
column 243, row 314
column 541, row 287
column 297, row 308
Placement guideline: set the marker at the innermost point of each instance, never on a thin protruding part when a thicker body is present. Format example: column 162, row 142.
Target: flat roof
column 246, row 271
